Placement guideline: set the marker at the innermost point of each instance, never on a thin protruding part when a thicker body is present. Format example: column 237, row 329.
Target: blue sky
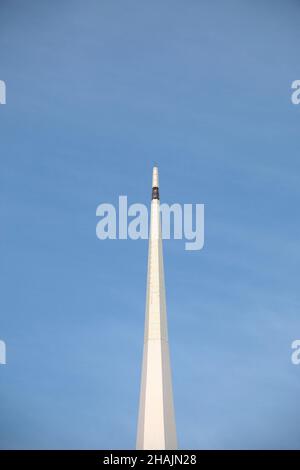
column 96, row 92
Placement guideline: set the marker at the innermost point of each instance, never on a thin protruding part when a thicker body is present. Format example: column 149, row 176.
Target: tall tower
column 156, row 421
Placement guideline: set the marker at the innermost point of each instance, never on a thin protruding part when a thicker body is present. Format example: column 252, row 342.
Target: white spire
column 156, row 422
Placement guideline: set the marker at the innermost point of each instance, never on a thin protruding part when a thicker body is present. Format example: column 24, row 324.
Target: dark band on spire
column 155, row 192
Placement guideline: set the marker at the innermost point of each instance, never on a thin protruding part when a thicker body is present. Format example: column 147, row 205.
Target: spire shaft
column 156, row 422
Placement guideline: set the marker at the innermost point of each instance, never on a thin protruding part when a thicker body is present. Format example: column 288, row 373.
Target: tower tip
column 155, row 177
